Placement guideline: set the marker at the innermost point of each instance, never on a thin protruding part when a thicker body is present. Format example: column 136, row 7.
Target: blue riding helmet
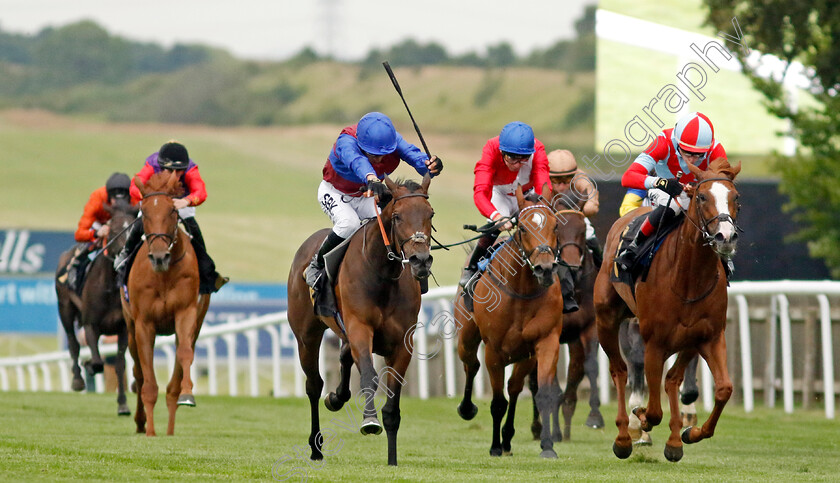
column 376, row 134
column 517, row 138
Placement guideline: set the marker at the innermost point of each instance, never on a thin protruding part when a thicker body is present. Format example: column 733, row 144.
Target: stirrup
column 467, row 275
column 313, row 272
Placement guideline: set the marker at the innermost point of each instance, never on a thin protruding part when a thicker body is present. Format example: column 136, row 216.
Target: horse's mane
column 722, row 166
column 158, row 181
column 411, row 185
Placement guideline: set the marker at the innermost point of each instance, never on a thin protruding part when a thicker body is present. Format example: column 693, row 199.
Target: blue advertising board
column 29, row 252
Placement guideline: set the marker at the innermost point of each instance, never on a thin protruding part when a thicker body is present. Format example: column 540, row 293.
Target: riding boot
column 597, row 252
column 480, row 250
column 567, row 287
column 209, row 280
column 122, row 263
column 316, row 266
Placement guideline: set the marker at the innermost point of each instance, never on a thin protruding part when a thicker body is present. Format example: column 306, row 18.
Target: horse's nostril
column 734, row 237
column 720, row 238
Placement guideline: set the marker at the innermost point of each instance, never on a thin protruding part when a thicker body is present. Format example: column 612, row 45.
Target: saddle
column 323, row 295
column 482, row 266
column 641, row 265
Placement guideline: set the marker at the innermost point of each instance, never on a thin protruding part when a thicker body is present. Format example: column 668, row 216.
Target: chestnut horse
column 98, row 309
column 378, row 301
column 518, row 313
column 681, row 307
column 163, row 299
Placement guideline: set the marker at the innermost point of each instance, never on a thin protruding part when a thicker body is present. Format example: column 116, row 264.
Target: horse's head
column 123, row 214
column 411, row 223
column 160, row 218
column 714, row 205
column 537, row 236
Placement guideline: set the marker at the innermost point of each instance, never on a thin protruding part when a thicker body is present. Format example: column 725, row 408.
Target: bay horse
column 162, row 299
column 681, row 307
column 579, row 330
column 98, row 309
column 518, row 313
column 378, row 301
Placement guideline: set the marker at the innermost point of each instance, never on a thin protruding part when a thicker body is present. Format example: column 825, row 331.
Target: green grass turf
column 54, row 436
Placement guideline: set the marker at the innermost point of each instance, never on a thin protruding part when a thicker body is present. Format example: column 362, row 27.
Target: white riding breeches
column 345, row 211
column 658, row 197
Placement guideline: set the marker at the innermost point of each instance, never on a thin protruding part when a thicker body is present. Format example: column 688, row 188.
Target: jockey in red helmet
column 663, row 167
column 361, row 157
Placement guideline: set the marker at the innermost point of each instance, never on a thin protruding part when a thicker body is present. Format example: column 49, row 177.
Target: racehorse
column 162, row 299
column 681, row 307
column 579, row 330
column 518, row 313
column 378, row 302
column 98, row 309
column 633, row 348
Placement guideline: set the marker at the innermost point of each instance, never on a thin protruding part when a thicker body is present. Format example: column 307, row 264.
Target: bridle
column 575, row 244
column 416, row 237
column 704, row 223
column 173, row 237
column 541, row 248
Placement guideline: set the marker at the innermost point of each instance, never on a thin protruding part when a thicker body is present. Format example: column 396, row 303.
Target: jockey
column 173, row 156
column 566, row 177
column 511, row 159
column 92, row 225
column 633, row 199
column 361, row 157
column 661, row 169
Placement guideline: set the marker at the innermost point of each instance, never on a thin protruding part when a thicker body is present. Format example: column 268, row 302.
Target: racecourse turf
column 56, row 436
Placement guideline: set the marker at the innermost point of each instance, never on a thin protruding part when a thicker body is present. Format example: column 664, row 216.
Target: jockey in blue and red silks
column 173, row 156
column 361, row 157
column 661, row 169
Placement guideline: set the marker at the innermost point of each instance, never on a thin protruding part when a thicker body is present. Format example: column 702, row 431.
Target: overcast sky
column 276, row 29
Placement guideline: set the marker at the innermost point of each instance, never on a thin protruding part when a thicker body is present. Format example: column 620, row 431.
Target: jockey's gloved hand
column 377, row 188
column 670, row 186
column 435, row 166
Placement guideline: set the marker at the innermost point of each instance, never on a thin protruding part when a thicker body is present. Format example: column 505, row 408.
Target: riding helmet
column 517, row 138
column 376, row 134
column 173, row 155
column 694, row 133
column 118, row 185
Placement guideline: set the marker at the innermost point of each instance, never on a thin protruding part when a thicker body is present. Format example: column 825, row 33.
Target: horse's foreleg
column 498, row 406
column 515, row 384
column 715, row 355
column 137, row 387
column 119, row 369
column 394, row 374
column 573, row 378
column 97, row 366
column 309, row 347
column 186, row 333
column 689, row 394
column 469, row 338
column 360, row 336
column 335, row 400
column 673, row 448
column 68, row 317
column 173, row 392
column 534, row 386
column 654, row 365
column 595, row 420
column 548, row 395
column 145, row 337
column 608, row 337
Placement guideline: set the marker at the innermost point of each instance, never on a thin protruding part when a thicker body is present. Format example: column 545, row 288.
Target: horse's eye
column 395, row 217
column 701, row 197
column 432, row 215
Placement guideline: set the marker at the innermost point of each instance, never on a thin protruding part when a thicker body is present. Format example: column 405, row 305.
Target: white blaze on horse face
column 155, row 201
column 721, row 195
column 538, row 219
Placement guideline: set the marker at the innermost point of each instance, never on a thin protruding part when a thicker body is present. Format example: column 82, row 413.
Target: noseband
column 708, row 238
column 416, row 237
column 173, row 238
column 542, row 248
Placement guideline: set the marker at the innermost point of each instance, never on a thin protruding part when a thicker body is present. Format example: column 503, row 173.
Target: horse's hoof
column 621, row 452
column 333, row 402
column 548, row 453
column 94, row 368
column 689, row 397
column 370, row 426
column 78, row 384
column 495, row 451
column 644, row 439
column 467, row 412
column 122, row 410
column 685, row 435
column 186, row 400
column 673, row 453
column 595, row 420
column 507, row 453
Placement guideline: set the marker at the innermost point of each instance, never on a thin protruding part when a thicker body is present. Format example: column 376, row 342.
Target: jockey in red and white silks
column 663, row 166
